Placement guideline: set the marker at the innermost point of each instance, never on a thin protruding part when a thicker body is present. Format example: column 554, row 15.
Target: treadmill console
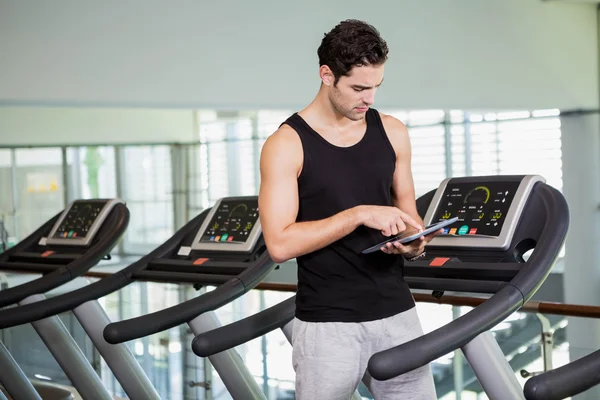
column 231, row 225
column 488, row 210
column 80, row 221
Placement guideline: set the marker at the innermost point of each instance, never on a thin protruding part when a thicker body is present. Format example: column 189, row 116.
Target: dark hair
column 351, row 43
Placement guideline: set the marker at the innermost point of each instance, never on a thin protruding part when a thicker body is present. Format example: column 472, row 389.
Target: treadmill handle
column 78, row 267
column 229, row 336
column 566, row 381
column 145, row 325
column 54, row 305
column 424, row 349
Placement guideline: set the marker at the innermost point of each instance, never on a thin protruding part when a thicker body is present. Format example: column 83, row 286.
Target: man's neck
column 320, row 111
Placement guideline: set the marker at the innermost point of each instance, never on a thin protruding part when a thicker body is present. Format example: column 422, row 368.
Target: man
column 336, row 179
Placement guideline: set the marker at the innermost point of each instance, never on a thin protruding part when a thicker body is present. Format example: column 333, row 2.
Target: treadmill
column 222, row 246
column 66, row 246
column 566, row 381
column 501, row 218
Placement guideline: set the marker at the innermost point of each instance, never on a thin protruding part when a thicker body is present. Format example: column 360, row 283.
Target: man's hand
column 411, row 249
column 388, row 219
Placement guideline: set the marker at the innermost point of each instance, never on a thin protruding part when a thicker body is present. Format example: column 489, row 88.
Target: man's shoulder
column 283, row 145
column 396, row 132
column 391, row 123
column 285, row 135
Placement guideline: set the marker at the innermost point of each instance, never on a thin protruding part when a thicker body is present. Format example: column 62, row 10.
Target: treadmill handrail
column 425, row 349
column 229, row 336
column 566, row 381
column 74, row 269
column 167, row 318
column 31, row 239
column 55, row 305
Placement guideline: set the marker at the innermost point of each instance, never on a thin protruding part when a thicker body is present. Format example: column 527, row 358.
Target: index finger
column 410, row 221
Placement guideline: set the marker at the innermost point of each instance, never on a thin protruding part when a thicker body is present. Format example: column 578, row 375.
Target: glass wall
column 39, row 187
column 8, row 222
column 147, row 187
column 224, row 162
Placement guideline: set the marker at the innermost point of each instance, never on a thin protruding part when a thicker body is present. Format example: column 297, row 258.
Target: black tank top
column 338, row 283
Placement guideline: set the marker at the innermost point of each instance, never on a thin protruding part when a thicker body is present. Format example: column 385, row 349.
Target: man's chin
column 355, row 115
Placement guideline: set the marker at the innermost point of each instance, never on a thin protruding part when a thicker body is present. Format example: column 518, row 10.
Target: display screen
column 79, row 219
column 232, row 222
column 481, row 208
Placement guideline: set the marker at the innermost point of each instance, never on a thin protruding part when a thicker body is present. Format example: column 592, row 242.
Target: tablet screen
column 411, row 234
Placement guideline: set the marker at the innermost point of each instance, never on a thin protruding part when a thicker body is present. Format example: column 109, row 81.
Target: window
column 428, row 145
column 147, row 189
column 515, row 143
column 92, row 172
column 229, row 152
column 40, row 187
column 8, row 226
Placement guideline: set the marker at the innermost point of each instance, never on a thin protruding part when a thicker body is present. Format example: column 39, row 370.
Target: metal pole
column 15, row 194
column 448, row 148
column 468, row 157
column 491, row 368
column 64, row 349
column 263, row 346
column 119, row 358
column 230, row 366
column 457, row 363
column 13, row 379
column 547, row 341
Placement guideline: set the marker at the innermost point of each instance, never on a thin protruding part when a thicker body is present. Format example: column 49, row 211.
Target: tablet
column 410, row 234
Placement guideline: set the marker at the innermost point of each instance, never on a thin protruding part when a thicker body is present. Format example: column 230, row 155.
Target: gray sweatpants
column 330, row 359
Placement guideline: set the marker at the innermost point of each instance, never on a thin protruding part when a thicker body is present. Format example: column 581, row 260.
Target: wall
column 59, row 126
column 250, row 54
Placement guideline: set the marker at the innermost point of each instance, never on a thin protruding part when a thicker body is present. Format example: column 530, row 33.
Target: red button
column 438, row 261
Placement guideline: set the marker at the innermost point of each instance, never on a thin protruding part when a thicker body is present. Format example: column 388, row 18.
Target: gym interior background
column 167, row 105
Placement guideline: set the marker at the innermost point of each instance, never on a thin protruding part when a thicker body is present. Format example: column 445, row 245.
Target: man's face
column 354, row 94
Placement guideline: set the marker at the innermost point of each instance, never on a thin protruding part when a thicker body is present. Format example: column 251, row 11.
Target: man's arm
column 403, row 188
column 280, row 165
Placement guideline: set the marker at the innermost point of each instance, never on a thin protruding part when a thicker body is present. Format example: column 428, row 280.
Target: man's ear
column 326, row 75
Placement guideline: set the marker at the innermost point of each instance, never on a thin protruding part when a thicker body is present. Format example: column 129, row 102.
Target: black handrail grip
column 33, row 237
column 424, row 349
column 68, row 301
column 242, row 331
column 566, row 381
column 460, row 285
column 415, row 353
column 186, row 266
column 40, row 268
column 181, row 277
column 149, row 324
column 27, row 313
column 28, row 256
column 76, row 268
column 145, row 325
column 212, row 263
